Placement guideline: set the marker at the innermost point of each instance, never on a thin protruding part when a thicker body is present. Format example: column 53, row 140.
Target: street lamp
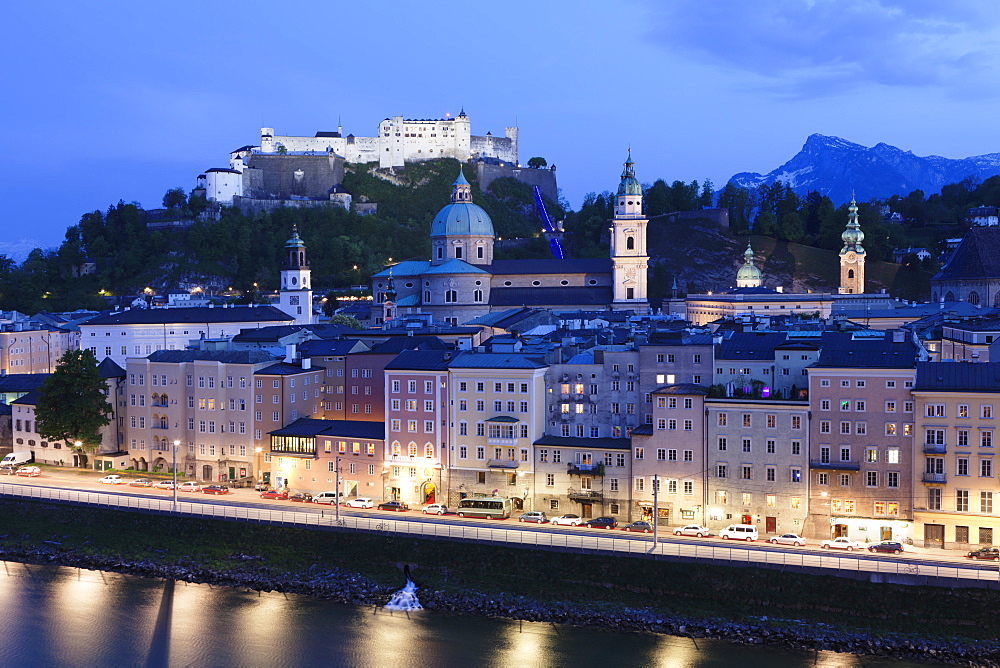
column 176, row 443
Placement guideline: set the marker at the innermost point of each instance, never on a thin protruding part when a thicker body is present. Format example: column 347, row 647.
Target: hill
column 837, row 168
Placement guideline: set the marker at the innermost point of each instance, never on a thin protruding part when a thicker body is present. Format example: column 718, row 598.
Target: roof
column 22, row 382
column 420, row 360
column 502, row 418
column 750, row 346
column 570, row 442
column 598, row 295
column 29, row 399
column 221, row 356
column 462, row 219
column 958, row 376
column 311, row 427
column 398, row 344
column 405, row 268
column 844, row 350
column 108, row 368
column 978, row 256
column 286, row 369
column 190, row 314
column 330, row 348
column 551, row 266
column 274, row 333
column 681, row 388
column 469, row 360
column 454, row 266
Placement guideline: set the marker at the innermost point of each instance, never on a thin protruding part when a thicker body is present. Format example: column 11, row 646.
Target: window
column 747, row 445
column 824, row 426
column 985, row 502
column 934, row 410
column 795, row 475
column 986, row 468
column 771, row 474
column 844, row 479
column 722, row 471
column 822, row 478
column 871, row 478
column 796, row 422
column 871, row 455
column 962, row 438
column 771, row 421
column 638, row 453
column 746, row 472
column 723, row 444
column 771, row 446
column 962, row 501
column 721, row 497
column 986, row 439
column 746, row 420
column 986, row 412
column 722, row 419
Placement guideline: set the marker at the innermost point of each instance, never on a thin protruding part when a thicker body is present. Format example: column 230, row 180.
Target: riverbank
column 630, row 595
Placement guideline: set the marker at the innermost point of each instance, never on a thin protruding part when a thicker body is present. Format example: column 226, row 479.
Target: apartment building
column 283, row 392
column 955, row 476
column 586, row 476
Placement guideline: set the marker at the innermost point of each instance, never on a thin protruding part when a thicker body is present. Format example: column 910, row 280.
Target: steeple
column 852, row 255
column 749, row 276
column 461, row 189
column 295, row 296
column 628, row 243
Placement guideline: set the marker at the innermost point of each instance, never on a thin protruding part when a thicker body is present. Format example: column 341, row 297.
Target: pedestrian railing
column 612, row 544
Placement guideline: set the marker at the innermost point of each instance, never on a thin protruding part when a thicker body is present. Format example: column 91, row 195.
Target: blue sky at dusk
column 124, row 100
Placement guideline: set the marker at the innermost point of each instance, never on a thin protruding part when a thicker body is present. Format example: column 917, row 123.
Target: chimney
column 290, row 353
column 306, row 363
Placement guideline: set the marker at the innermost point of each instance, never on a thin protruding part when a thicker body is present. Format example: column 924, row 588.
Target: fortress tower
column 628, row 243
column 852, row 255
column 295, row 296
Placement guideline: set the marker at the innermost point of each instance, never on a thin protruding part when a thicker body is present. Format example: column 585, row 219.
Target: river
column 56, row 616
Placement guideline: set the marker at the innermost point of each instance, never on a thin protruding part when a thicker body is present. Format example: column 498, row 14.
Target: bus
column 492, row 507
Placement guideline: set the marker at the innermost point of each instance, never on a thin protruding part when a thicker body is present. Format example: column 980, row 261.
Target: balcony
column 502, row 464
column 587, row 495
column 586, row 469
column 935, row 448
column 835, row 465
column 935, row 478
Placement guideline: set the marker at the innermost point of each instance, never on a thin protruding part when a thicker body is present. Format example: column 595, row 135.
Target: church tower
column 852, row 255
column 749, row 276
column 628, row 244
column 295, row 296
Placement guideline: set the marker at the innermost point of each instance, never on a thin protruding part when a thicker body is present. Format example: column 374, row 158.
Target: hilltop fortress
column 291, row 170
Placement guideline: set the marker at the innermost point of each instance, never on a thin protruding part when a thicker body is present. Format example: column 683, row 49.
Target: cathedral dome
column 462, row 218
column 749, row 276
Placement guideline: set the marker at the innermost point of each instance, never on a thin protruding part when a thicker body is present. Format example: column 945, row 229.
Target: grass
column 669, row 588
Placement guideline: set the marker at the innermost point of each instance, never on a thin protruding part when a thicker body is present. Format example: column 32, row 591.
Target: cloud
column 814, row 48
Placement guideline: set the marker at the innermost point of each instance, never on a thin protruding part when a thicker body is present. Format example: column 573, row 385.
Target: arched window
column 412, row 449
column 395, row 449
column 630, row 243
column 850, row 273
column 429, row 450
column 950, row 297
column 450, row 296
column 974, row 298
column 477, row 296
column 163, row 400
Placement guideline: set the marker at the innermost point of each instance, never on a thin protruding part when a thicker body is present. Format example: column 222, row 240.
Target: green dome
column 462, row 219
column 852, row 236
column 629, row 184
column 295, row 241
column 748, row 272
column 749, row 276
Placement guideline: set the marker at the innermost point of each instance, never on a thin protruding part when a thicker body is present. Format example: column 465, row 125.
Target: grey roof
column 454, row 266
column 108, row 368
column 569, row 442
column 330, row 347
column 273, row 333
column 22, row 382
column 958, row 376
column 841, row 349
column 595, row 295
column 29, row 399
column 191, row 314
column 221, row 356
column 421, row 360
column 681, row 388
column 398, row 344
column 750, row 346
column 286, row 369
column 579, row 266
column 978, row 256
column 311, row 427
column 468, row 360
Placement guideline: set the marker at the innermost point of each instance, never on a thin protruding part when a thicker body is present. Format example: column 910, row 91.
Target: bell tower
column 628, row 244
column 295, row 296
column 852, row 255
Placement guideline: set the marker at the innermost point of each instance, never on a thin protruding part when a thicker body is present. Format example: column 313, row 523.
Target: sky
column 109, row 101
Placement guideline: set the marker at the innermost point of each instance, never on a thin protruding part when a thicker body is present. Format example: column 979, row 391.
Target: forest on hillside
column 245, row 251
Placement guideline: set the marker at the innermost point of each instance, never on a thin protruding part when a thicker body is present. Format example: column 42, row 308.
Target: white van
column 16, row 458
column 746, row 532
column 327, row 497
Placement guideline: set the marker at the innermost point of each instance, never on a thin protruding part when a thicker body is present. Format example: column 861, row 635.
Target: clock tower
column 628, row 244
column 295, row 296
column 852, row 255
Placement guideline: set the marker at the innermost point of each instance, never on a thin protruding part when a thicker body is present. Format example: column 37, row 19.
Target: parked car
column 215, row 489
column 301, row 497
column 398, row 506
column 893, row 546
column 985, row 553
column 164, row 484
column 840, row 543
column 274, row 494
column 189, row 486
column 435, row 509
column 601, row 523
column 747, row 532
column 141, row 482
column 31, row 471
column 360, row 502
column 692, row 530
column 569, row 520
column 112, row 479
column 327, row 497
column 536, row 516
column 639, row 525
column 262, row 486
column 788, row 539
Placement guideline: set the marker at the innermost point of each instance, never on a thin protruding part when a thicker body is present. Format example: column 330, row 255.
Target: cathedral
column 462, row 280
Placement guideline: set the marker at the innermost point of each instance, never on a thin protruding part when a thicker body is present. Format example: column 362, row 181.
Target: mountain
column 836, row 168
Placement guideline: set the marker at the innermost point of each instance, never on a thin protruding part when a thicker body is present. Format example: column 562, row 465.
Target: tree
column 72, row 405
column 347, row 320
column 174, row 198
column 537, row 162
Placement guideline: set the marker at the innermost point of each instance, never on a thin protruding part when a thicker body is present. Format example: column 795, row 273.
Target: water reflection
column 69, row 617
